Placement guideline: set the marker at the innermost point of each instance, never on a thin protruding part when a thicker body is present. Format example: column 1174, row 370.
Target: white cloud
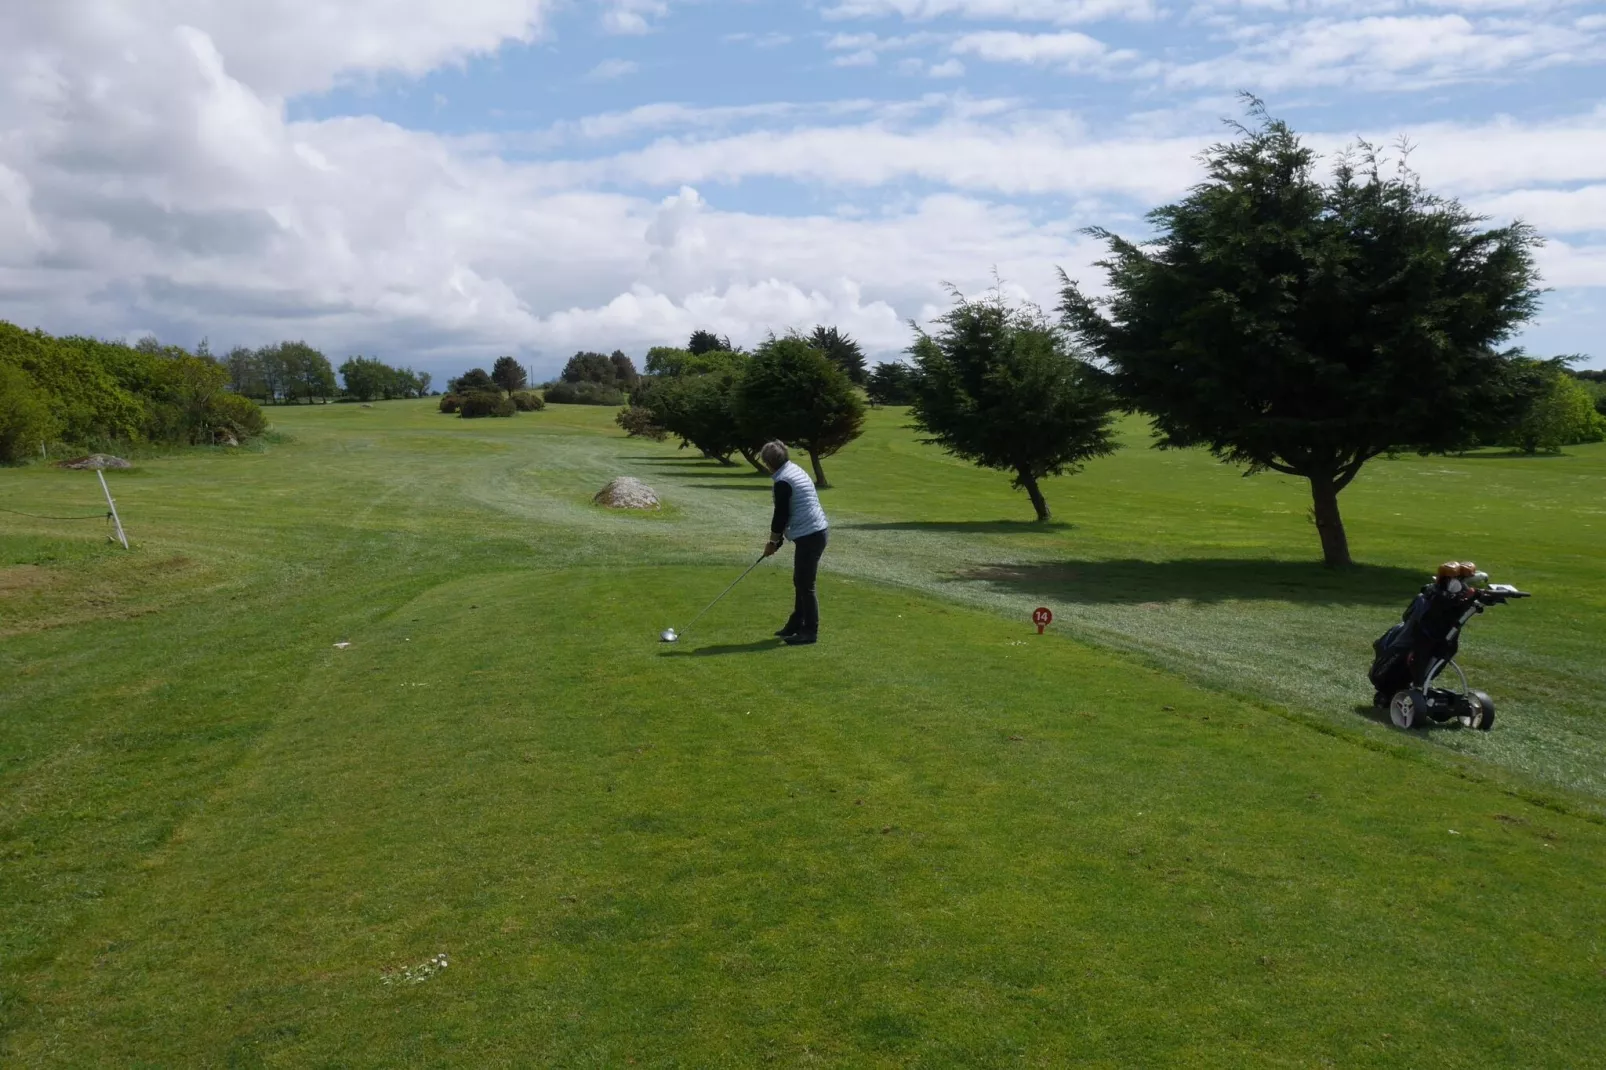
column 609, row 69
column 949, row 68
column 1383, row 53
column 1061, row 12
column 276, row 47
column 1068, row 50
column 170, row 191
column 862, row 58
column 633, row 17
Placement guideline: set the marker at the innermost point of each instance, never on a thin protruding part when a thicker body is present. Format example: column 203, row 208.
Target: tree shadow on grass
column 970, row 527
column 725, row 648
column 1133, row 582
column 1505, row 455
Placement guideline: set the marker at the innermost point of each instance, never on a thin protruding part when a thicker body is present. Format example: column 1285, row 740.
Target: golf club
column 669, row 635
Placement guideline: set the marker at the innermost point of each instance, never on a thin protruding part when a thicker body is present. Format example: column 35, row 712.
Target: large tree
column 1306, row 328
column 840, row 350
column 1000, row 387
column 587, row 367
column 792, row 392
column 508, row 375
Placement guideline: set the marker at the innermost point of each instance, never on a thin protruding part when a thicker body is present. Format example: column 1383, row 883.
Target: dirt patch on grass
column 37, row 597
column 22, row 579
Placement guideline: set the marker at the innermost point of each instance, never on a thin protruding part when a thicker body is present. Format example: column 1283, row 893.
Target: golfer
column 798, row 517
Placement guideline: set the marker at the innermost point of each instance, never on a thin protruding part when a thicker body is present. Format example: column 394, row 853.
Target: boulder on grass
column 627, row 493
column 96, row 460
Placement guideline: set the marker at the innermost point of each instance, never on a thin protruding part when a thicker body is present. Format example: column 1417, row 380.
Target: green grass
column 1161, row 833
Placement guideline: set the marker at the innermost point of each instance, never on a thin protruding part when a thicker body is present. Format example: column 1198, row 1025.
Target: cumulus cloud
column 1381, row 53
column 1062, row 12
column 151, row 179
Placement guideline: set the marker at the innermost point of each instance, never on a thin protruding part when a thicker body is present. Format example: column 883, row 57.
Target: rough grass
column 935, row 839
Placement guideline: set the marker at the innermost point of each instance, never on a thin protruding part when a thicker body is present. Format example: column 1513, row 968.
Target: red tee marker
column 1042, row 616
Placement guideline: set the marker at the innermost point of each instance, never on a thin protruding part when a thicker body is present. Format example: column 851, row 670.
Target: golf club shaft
column 722, row 594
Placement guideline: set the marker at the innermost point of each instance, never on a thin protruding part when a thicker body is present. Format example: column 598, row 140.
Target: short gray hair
column 774, row 455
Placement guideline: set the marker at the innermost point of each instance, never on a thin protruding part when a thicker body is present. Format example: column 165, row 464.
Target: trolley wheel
column 1480, row 714
column 1405, row 709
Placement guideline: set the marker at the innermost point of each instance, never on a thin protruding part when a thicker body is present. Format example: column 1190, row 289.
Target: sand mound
column 627, row 493
column 96, row 460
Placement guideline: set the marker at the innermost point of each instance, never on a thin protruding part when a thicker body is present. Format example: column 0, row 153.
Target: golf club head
column 668, row 636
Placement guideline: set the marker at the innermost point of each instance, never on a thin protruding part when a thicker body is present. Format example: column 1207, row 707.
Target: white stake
column 122, row 538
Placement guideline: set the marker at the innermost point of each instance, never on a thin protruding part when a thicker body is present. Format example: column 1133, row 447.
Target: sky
column 437, row 182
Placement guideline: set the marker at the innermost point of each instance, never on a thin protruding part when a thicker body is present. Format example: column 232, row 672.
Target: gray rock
column 627, row 492
column 96, row 460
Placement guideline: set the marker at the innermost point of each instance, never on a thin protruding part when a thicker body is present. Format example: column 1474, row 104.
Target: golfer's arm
column 783, row 510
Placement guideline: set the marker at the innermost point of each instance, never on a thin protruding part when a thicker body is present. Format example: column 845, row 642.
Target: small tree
column 366, row 378
column 840, row 350
column 699, row 406
column 891, row 384
column 793, row 393
column 474, row 381
column 507, row 374
column 1306, row 329
column 1000, row 387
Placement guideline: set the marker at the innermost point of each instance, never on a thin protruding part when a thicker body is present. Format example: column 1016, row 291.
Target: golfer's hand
column 771, row 547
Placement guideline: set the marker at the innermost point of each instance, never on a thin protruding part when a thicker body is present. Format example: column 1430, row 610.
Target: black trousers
column 805, row 570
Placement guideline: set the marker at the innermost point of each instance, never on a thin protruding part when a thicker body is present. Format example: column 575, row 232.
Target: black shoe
column 790, row 628
column 802, row 638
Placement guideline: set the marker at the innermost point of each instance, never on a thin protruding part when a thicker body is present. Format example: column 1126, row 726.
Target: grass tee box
column 957, row 844
column 935, row 839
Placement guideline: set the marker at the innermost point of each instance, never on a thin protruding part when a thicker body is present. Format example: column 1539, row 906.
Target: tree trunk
column 1029, row 482
column 819, row 473
column 751, row 456
column 1329, row 525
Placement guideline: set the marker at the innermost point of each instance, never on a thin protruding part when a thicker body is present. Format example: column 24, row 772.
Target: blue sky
column 437, row 183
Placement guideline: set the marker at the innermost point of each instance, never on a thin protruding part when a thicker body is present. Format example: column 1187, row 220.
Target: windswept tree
column 792, row 392
column 1000, row 387
column 707, row 342
column 507, row 374
column 840, row 350
column 1306, row 328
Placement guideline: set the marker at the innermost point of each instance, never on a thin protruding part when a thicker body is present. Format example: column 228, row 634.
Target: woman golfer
column 798, row 517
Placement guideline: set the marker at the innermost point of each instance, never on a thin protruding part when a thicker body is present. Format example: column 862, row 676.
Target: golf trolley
column 1414, row 653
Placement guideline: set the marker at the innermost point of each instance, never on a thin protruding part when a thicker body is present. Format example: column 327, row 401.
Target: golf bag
column 1410, row 656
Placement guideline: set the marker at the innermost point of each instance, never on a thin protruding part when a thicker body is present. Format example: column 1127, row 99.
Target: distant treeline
column 86, row 393
column 291, row 372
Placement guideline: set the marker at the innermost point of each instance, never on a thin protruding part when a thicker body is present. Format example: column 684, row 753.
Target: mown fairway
column 1168, row 831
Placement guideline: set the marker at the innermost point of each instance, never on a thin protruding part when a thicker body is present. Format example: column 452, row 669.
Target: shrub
column 525, row 401
column 639, row 423
column 486, row 404
column 25, row 417
column 240, row 416
column 583, row 393
column 451, row 402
